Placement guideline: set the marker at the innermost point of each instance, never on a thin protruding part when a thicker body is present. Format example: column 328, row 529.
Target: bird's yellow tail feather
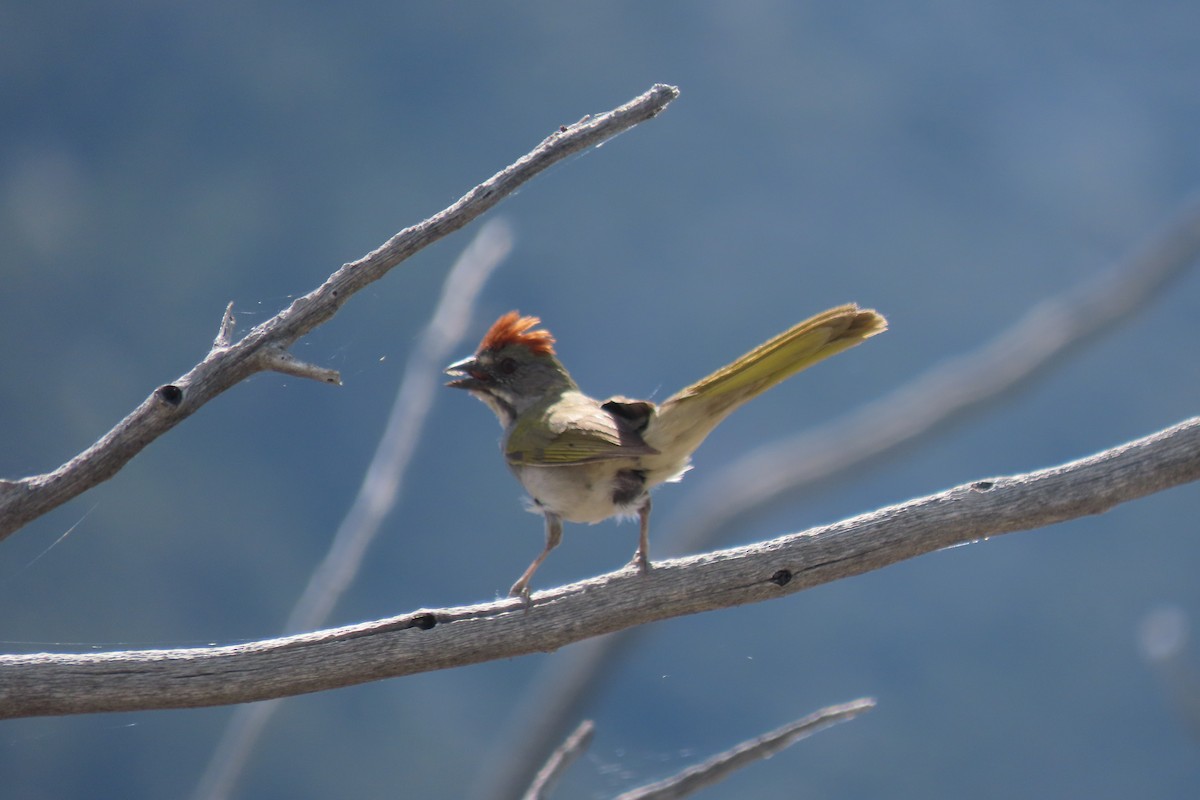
column 686, row 418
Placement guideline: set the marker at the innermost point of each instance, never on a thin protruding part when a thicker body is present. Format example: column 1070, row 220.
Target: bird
column 584, row 460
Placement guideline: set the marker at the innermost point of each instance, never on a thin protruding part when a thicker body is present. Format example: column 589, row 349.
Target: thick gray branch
column 263, row 348
column 431, row 639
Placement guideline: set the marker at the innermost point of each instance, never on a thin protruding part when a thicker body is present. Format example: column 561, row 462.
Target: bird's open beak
column 464, row 374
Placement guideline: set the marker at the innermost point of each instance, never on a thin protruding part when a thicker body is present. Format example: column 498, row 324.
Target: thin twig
column 225, row 332
column 555, row 694
column 283, row 362
column 432, row 639
column 379, row 488
column 722, row 765
column 28, row 498
column 560, row 760
column 783, row 469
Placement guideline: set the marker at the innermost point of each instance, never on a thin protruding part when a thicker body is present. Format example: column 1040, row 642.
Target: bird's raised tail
column 687, row 417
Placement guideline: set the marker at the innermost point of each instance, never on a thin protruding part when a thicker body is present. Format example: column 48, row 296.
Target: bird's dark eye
column 507, row 366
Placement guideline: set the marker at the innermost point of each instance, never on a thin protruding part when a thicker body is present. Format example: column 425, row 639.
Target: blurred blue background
column 948, row 163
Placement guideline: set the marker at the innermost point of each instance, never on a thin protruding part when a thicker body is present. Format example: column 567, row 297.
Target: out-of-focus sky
column 951, row 164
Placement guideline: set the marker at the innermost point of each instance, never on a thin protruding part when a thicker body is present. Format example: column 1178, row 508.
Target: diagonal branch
column 264, row 347
column 722, row 765
column 432, row 639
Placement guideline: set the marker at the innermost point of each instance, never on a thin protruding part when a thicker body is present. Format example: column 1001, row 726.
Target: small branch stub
column 278, row 360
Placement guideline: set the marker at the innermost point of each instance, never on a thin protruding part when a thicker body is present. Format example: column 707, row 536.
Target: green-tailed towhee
column 585, row 460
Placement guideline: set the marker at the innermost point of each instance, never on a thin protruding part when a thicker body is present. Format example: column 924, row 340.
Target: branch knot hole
column 170, row 394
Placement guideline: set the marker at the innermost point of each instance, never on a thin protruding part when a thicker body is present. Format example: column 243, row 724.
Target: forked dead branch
column 265, row 347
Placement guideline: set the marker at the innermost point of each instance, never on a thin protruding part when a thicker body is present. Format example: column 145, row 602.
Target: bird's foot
column 641, row 562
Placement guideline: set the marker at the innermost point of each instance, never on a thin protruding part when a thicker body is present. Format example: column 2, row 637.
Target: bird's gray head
column 513, row 369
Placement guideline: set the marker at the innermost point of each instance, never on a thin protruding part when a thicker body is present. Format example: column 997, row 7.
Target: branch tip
column 225, row 331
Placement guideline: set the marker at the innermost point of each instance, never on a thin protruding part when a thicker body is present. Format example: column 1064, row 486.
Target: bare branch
column 225, row 366
column 722, row 765
column 431, row 639
column 380, row 485
column 560, row 760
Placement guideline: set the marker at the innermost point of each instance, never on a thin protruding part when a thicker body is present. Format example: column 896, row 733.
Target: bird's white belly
column 577, row 493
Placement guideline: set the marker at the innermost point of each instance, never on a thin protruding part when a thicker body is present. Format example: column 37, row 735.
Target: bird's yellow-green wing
column 576, row 429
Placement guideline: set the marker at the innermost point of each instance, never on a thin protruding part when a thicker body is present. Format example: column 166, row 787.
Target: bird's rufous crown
column 512, row 328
